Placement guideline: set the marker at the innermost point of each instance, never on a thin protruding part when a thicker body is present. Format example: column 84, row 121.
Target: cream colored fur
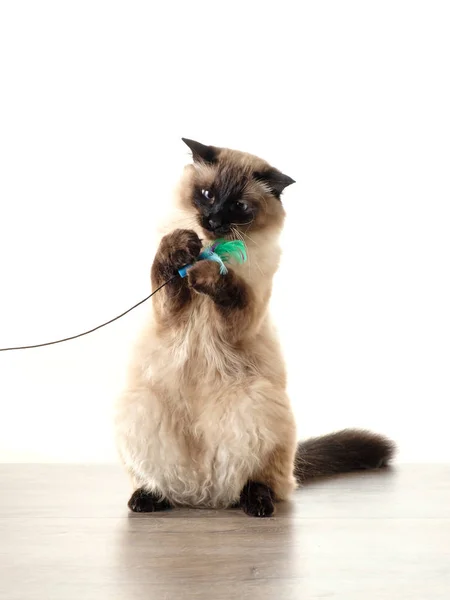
column 201, row 415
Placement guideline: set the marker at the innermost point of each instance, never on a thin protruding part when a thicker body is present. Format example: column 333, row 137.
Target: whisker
column 250, row 238
column 192, row 220
column 240, row 236
column 256, row 262
column 247, row 223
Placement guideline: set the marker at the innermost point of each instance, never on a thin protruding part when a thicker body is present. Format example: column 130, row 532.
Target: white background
column 351, row 99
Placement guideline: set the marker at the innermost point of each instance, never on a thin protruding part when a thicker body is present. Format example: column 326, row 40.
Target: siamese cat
column 205, row 420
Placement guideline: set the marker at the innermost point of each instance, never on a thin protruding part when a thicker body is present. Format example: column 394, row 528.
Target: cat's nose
column 214, row 223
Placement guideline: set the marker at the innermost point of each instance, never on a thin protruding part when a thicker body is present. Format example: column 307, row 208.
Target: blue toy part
column 183, row 271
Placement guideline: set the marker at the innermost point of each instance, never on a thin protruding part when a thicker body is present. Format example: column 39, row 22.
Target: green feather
column 230, row 250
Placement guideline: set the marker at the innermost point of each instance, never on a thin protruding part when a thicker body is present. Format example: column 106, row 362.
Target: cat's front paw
column 227, row 291
column 179, row 248
column 204, row 277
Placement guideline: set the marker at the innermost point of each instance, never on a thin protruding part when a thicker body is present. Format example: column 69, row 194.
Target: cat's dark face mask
column 233, row 192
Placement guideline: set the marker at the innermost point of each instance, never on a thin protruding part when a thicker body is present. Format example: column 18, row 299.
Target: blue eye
column 242, row 206
column 207, row 194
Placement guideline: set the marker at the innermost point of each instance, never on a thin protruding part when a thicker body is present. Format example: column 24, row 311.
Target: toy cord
column 72, row 337
column 220, row 251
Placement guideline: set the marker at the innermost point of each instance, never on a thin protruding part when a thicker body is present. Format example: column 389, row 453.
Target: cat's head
column 231, row 191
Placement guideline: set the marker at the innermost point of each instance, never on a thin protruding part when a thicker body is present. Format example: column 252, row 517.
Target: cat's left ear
column 202, row 153
column 276, row 180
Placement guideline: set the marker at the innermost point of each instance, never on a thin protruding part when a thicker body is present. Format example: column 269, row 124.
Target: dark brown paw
column 204, row 277
column 256, row 500
column 180, row 248
column 225, row 290
column 143, row 501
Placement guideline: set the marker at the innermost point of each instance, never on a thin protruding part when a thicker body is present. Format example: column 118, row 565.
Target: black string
column 95, row 328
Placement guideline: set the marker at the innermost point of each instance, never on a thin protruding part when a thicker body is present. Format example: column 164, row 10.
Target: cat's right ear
column 200, row 152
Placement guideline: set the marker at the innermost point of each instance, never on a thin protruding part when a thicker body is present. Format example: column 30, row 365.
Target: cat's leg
column 145, row 501
column 176, row 250
column 257, row 499
column 138, row 417
column 274, row 481
column 234, row 300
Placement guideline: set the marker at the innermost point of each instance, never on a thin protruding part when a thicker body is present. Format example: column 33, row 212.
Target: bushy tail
column 342, row 452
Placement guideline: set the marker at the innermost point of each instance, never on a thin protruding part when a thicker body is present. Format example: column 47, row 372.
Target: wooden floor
column 65, row 533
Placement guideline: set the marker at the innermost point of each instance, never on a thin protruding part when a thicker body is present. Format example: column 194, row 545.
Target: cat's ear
column 200, row 152
column 275, row 179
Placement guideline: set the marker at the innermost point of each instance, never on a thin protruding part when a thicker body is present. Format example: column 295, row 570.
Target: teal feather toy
column 221, row 252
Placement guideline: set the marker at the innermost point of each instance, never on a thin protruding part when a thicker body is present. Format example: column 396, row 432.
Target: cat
column 205, row 420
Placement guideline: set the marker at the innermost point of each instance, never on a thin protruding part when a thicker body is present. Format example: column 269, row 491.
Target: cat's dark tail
column 342, row 452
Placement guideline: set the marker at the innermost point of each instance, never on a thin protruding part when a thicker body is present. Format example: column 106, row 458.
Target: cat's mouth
column 214, row 230
column 220, row 231
column 213, row 236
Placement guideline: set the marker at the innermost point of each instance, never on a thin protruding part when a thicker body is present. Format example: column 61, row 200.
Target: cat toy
column 220, row 251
